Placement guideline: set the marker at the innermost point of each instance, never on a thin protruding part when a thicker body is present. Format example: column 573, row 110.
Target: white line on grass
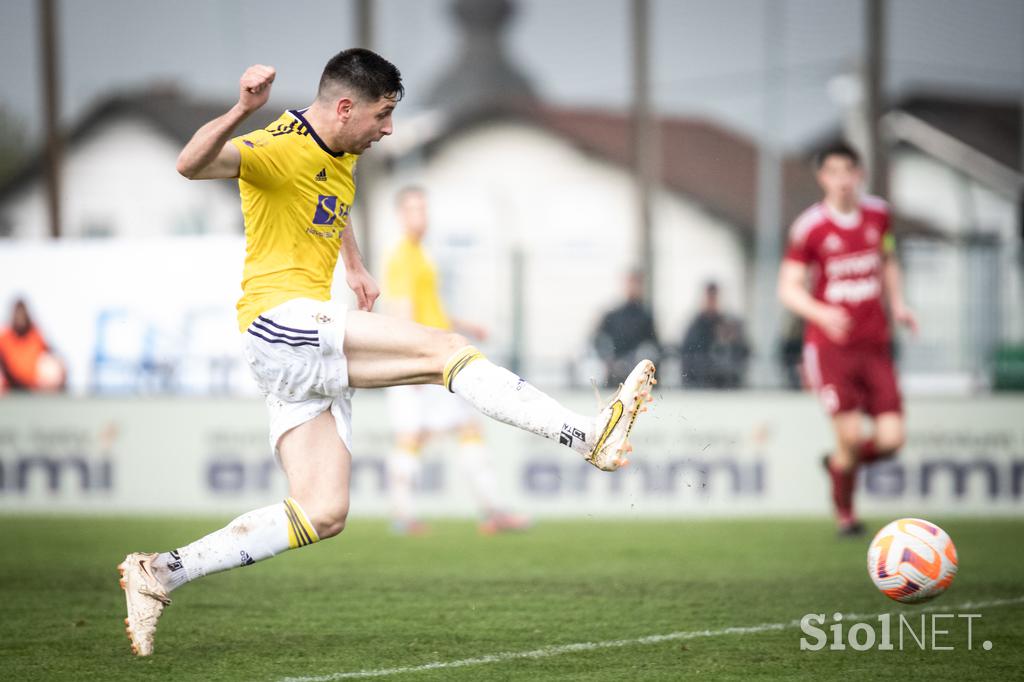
column 558, row 650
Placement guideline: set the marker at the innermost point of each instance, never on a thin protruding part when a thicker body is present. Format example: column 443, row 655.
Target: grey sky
column 708, row 56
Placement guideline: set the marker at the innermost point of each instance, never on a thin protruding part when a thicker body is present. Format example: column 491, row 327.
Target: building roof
column 165, row 108
column 709, row 164
column 990, row 126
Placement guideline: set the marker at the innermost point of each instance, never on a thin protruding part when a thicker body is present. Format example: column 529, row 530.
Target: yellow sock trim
column 457, row 362
column 300, row 530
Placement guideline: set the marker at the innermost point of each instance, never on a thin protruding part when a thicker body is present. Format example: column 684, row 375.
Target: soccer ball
column 912, row 560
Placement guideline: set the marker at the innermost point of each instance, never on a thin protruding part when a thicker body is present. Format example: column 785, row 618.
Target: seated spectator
column 714, row 350
column 626, row 334
column 26, row 363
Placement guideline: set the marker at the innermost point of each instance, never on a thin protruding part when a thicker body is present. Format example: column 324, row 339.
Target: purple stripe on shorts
column 303, row 343
column 287, row 329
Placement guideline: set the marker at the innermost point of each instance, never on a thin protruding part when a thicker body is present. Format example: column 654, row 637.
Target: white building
column 118, row 176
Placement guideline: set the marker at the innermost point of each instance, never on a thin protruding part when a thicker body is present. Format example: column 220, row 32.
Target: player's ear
column 344, row 109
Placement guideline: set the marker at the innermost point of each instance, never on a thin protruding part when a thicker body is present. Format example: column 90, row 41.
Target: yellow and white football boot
column 616, row 418
column 146, row 599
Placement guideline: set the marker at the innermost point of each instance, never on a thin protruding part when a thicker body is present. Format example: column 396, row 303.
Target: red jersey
column 845, row 255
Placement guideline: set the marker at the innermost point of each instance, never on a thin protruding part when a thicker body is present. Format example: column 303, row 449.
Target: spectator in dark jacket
column 626, row 334
column 714, row 350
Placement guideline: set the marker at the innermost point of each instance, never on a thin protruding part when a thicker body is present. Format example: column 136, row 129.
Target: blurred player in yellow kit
column 418, row 412
column 307, row 352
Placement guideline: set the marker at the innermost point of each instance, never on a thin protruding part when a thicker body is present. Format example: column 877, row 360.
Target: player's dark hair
column 366, row 72
column 836, row 149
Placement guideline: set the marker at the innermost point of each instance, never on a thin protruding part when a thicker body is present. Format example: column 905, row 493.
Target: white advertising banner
column 697, row 454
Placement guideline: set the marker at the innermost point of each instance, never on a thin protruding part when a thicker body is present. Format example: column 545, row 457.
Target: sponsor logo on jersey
column 872, row 234
column 323, row 234
column 854, row 264
column 855, row 290
column 329, row 209
column 321, row 176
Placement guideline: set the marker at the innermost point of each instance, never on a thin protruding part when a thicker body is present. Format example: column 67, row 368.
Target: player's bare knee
column 890, row 435
column 327, row 513
column 889, row 445
column 330, row 522
column 843, row 460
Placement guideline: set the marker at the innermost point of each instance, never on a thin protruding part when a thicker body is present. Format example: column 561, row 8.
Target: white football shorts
column 296, row 354
column 426, row 408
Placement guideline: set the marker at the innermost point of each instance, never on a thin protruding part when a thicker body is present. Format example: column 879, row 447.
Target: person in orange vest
column 26, row 362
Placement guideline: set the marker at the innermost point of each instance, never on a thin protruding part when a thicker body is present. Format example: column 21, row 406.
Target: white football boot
column 146, row 599
column 616, row 418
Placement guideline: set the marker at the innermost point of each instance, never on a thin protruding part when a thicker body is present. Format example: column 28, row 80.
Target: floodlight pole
column 51, row 111
column 368, row 166
column 874, row 97
column 643, row 148
column 766, row 312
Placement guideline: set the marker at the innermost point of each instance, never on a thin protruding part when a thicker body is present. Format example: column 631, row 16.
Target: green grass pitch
column 367, row 601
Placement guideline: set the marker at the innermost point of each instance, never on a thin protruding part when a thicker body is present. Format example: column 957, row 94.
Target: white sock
column 475, row 462
column 501, row 395
column 253, row 536
column 403, row 469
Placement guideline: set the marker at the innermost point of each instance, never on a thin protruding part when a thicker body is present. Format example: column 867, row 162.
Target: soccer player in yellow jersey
column 306, row 352
column 418, row 412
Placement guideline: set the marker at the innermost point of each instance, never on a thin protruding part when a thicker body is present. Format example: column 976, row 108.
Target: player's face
column 369, row 122
column 840, row 178
column 413, row 213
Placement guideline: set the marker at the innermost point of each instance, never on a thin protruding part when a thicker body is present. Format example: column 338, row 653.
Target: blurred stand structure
column 541, row 206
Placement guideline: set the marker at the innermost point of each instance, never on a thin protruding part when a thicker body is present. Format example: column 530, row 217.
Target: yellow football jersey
column 296, row 196
column 411, row 276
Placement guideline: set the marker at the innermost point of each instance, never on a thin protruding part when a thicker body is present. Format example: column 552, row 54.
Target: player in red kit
column 843, row 248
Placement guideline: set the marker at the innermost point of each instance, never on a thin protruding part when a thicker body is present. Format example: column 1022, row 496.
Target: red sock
column 842, row 492
column 867, row 452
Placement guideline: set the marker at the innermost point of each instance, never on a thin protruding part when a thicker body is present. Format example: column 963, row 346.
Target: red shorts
column 848, row 379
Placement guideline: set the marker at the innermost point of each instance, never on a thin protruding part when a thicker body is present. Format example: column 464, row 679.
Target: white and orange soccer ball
column 912, row 560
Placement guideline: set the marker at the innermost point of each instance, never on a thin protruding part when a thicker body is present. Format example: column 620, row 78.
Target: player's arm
column 209, row 154
column 793, row 293
column 359, row 280
column 892, row 284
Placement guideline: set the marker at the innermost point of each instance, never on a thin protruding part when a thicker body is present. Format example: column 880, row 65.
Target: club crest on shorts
column 323, row 318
